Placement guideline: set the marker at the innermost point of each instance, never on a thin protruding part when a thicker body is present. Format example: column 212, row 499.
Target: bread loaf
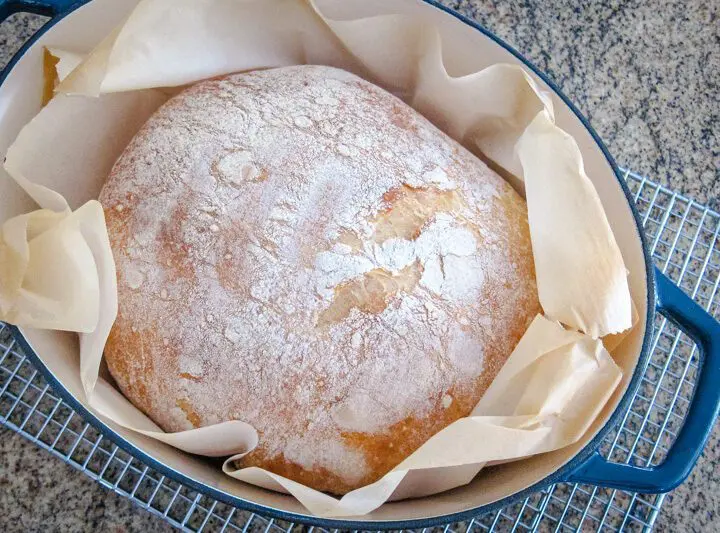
column 298, row 249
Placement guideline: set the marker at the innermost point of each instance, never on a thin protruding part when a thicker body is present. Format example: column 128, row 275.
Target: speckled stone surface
column 645, row 73
column 41, row 493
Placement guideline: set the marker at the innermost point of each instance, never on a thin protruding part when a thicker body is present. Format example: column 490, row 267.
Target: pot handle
column 702, row 412
column 47, row 8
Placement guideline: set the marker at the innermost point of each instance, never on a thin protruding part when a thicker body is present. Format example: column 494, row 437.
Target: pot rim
column 560, row 475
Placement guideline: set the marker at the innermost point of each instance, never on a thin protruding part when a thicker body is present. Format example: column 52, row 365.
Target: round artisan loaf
column 298, row 249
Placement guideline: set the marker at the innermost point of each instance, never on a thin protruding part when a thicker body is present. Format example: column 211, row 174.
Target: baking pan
column 80, row 25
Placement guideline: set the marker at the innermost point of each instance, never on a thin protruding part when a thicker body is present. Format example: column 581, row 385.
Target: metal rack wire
column 684, row 242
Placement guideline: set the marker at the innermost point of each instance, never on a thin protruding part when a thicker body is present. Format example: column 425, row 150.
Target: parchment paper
column 557, row 379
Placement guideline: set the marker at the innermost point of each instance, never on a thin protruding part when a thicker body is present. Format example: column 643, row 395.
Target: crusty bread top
column 298, row 249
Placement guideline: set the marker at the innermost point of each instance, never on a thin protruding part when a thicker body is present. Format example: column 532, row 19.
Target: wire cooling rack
column 683, row 237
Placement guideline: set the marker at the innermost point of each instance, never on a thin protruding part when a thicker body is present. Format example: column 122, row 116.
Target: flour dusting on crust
column 298, row 249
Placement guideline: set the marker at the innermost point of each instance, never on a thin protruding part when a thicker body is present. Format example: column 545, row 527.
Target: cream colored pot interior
column 20, row 98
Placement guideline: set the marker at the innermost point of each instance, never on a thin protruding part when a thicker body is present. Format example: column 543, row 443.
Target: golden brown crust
column 298, row 249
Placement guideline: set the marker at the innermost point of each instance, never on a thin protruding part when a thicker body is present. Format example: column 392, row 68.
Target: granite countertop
column 646, row 74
